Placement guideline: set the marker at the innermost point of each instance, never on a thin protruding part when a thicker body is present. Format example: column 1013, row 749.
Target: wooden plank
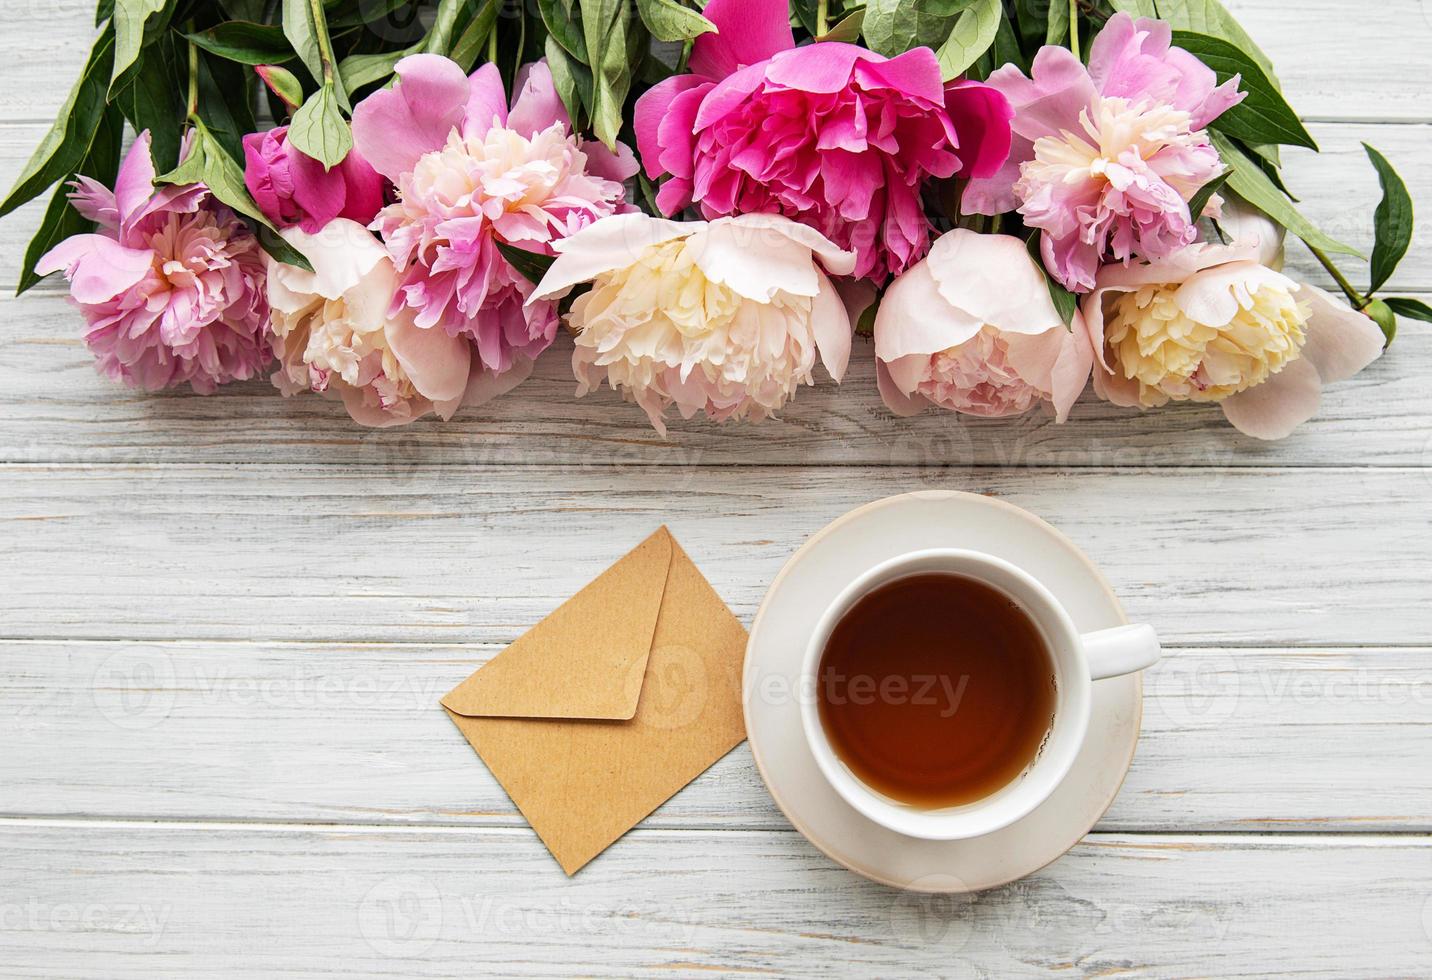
column 1338, row 189
column 151, row 901
column 55, row 408
column 1233, row 740
column 444, row 554
column 1334, row 62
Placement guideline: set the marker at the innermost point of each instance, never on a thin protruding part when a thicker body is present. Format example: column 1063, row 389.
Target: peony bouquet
column 399, row 205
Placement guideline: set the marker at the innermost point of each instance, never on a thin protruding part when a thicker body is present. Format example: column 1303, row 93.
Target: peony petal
column 483, row 385
column 537, row 105
column 342, row 254
column 915, row 319
column 486, row 102
column 1214, row 296
column 360, row 410
column 613, row 242
column 758, row 255
column 748, row 31
column 1056, row 362
column 897, row 401
column 832, row 328
column 97, row 267
column 1340, row 341
column 981, row 116
column 992, row 278
column 652, row 109
column 436, row 363
column 1279, row 405
column 134, row 184
column 618, row 165
column 394, row 127
column 1050, row 101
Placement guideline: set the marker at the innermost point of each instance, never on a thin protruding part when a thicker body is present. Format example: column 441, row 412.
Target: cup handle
column 1121, row 650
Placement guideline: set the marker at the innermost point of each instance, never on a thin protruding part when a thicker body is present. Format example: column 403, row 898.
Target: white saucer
column 804, row 588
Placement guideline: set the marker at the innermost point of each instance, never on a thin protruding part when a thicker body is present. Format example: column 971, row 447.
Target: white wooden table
column 225, row 623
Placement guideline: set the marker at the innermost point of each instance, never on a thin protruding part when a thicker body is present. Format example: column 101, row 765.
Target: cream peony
column 333, row 334
column 726, row 317
column 1212, row 324
column 971, row 328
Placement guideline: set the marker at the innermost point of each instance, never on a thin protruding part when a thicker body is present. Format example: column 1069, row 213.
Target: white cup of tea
column 1076, row 660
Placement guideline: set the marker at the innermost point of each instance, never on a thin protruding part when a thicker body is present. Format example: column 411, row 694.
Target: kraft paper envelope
column 602, row 711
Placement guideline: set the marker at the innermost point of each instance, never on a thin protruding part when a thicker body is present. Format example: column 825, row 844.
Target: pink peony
column 471, row 174
column 171, row 285
column 829, row 134
column 972, row 329
column 1106, row 159
column 293, row 189
column 333, row 334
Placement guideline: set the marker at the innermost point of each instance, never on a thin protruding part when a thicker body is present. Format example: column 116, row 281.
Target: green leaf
column 1263, row 116
column 281, row 250
column 1386, row 319
column 224, row 102
column 309, row 37
column 668, row 20
column 893, row 27
column 865, row 323
column 1413, row 309
column 154, row 100
column 130, row 20
column 358, row 70
column 572, row 79
column 61, row 220
column 246, row 43
column 1135, row 8
column 1058, row 27
column 564, row 27
column 972, row 35
column 532, row 265
column 69, row 139
column 469, row 45
column 318, row 129
column 1065, row 302
column 1392, row 221
column 1248, row 181
column 1201, row 197
column 613, row 41
column 439, row 39
column 847, row 29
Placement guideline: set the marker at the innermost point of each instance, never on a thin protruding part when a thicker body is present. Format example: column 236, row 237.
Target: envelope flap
column 588, row 657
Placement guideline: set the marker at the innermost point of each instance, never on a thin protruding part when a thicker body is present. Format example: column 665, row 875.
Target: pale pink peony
column 727, row 317
column 1210, row 323
column 972, row 329
column 1106, row 159
column 333, row 334
column 471, row 174
column 171, row 284
column 829, row 134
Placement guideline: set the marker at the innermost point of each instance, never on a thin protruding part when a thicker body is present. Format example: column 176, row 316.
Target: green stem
column 492, row 44
column 325, row 45
column 1357, row 299
column 822, row 13
column 192, row 106
column 1074, row 27
column 685, row 57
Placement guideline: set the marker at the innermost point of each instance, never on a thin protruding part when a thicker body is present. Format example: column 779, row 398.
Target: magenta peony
column 972, row 329
column 1106, row 158
column 471, row 174
column 829, row 134
column 293, row 189
column 171, row 285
